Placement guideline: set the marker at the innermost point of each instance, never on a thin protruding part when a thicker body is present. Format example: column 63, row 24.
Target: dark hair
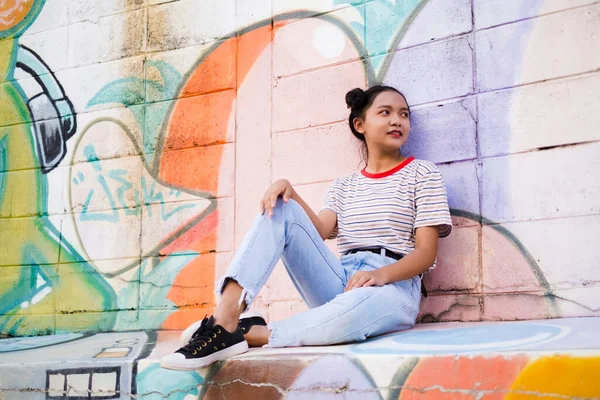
column 359, row 101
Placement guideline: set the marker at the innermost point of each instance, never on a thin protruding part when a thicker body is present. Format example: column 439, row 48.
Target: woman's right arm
column 325, row 222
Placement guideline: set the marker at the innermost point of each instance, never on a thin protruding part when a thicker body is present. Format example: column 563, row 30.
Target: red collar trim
column 387, row 173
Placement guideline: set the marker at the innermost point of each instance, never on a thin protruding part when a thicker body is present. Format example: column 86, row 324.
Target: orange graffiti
column 12, row 12
column 192, row 289
column 192, row 158
column 467, row 378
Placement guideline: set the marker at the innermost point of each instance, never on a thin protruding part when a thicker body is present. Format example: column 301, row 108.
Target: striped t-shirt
column 384, row 210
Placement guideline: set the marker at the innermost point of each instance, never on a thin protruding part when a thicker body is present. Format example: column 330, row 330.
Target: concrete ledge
column 550, row 359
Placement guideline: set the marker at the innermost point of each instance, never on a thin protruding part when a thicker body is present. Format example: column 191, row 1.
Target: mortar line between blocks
column 479, row 162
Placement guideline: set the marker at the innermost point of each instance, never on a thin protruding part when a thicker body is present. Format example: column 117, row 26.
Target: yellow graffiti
column 558, row 377
column 32, row 287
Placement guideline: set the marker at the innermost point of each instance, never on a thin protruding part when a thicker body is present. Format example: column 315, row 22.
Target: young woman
column 387, row 219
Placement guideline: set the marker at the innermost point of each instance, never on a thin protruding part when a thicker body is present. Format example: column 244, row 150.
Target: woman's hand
column 364, row 279
column 281, row 187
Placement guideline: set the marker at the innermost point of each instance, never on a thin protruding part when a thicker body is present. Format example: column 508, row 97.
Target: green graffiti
column 113, row 215
column 151, row 286
column 2, row 164
column 145, row 94
column 149, row 194
column 384, row 23
column 36, row 282
column 151, row 197
column 125, row 186
column 154, row 381
column 91, row 156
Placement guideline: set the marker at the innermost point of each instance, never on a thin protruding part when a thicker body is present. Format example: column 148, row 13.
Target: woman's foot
column 250, row 319
column 246, row 321
column 211, row 342
column 257, row 336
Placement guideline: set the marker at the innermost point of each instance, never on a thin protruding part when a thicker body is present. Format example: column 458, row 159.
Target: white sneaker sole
column 192, row 364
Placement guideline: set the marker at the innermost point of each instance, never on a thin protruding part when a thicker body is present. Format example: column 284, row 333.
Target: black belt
column 379, row 250
column 391, row 254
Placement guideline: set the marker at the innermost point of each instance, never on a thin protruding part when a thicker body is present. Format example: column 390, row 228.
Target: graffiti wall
column 137, row 137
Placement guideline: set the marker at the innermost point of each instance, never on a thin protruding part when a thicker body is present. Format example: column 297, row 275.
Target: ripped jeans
column 334, row 316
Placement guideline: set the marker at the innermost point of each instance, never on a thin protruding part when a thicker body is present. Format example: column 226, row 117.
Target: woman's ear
column 359, row 125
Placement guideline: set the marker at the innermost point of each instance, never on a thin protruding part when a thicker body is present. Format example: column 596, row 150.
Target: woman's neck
column 383, row 162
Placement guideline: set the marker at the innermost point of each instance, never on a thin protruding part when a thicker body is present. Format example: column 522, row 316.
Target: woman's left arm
column 423, row 257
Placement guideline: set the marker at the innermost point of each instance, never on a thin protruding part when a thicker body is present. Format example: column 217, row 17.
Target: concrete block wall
column 120, row 207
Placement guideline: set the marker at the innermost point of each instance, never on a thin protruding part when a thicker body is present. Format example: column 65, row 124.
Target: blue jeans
column 334, row 316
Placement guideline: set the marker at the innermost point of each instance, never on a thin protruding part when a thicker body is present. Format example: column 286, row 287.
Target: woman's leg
column 289, row 234
column 352, row 316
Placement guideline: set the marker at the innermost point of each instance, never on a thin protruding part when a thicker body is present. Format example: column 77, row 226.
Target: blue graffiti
column 148, row 196
column 154, row 381
column 148, row 289
column 509, row 336
column 386, row 18
column 151, row 197
column 2, row 163
column 30, row 343
column 117, row 175
column 145, row 98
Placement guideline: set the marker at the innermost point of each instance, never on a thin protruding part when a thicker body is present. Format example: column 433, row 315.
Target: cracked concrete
column 475, row 360
column 443, row 315
column 313, row 390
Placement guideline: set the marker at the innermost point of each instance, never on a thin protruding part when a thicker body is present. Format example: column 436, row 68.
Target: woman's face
column 386, row 124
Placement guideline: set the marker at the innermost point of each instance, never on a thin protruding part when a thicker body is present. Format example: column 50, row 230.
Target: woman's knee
column 281, row 208
column 291, row 206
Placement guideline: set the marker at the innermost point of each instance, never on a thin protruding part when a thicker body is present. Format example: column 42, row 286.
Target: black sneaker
column 210, row 343
column 247, row 320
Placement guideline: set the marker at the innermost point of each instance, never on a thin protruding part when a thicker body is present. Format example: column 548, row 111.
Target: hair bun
column 354, row 97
